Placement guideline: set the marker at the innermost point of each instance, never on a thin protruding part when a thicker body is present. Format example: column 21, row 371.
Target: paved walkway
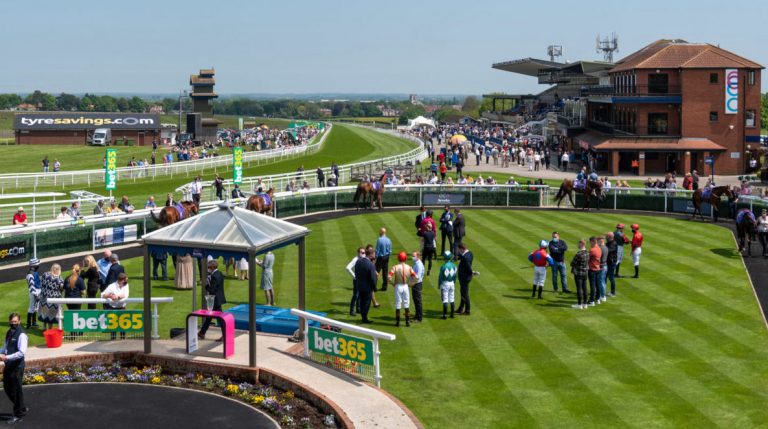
column 516, row 170
column 365, row 405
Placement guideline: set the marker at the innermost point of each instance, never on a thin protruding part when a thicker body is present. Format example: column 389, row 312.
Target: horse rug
column 746, row 212
column 706, row 193
column 180, row 209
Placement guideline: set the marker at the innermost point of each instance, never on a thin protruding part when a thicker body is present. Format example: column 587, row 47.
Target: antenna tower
column 607, row 46
column 554, row 51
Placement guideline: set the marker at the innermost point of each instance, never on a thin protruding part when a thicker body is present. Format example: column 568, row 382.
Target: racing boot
column 29, row 320
column 452, row 304
column 541, row 288
column 407, row 317
column 533, row 294
column 445, row 310
column 397, row 318
column 637, row 272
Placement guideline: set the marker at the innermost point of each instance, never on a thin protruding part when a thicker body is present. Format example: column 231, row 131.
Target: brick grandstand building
column 673, row 104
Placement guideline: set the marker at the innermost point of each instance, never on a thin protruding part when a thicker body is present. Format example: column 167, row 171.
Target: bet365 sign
column 344, row 346
column 103, row 321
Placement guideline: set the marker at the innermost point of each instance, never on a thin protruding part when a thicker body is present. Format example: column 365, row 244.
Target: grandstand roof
column 527, row 66
column 678, row 53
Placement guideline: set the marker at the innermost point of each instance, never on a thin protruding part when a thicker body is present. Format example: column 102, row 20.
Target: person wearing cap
column 541, row 260
column 446, row 281
column 621, row 240
column 34, row 287
column 557, row 249
column 446, row 228
column 418, row 268
column 402, row 276
column 637, row 244
column 20, row 218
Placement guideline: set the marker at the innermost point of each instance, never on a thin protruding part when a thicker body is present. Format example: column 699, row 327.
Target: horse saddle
column 741, row 214
column 706, row 193
column 579, row 184
column 376, row 186
column 180, row 209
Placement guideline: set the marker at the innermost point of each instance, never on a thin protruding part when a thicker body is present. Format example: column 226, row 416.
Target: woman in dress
column 90, row 274
column 266, row 277
column 243, row 267
column 185, row 270
column 52, row 286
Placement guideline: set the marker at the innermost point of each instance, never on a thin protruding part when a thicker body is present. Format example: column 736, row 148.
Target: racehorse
column 746, row 230
column 590, row 188
column 372, row 190
column 175, row 213
column 713, row 199
column 261, row 203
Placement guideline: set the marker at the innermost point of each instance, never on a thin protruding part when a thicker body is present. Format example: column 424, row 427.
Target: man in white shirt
column 117, row 293
column 12, row 354
column 354, row 304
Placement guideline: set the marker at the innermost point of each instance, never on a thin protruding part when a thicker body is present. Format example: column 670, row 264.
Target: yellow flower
column 38, row 379
column 258, row 399
column 64, row 373
column 155, row 380
column 232, row 389
column 289, row 395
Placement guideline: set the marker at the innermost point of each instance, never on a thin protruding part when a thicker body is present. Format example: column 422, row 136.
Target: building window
column 713, row 78
column 712, row 116
column 751, row 77
column 658, row 83
column 749, row 118
column 657, row 123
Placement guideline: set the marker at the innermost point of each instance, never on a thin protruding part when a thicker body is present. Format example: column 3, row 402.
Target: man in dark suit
column 214, row 286
column 420, row 218
column 446, row 229
column 465, row 276
column 159, row 259
column 365, row 281
column 458, row 231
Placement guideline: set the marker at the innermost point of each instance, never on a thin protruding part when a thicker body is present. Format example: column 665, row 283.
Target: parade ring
column 130, row 406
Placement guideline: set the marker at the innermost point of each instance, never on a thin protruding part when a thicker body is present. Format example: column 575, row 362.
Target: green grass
column 683, row 346
column 344, row 145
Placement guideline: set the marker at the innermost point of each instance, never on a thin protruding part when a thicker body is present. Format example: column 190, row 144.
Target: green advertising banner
column 110, row 176
column 341, row 345
column 237, row 166
column 103, row 321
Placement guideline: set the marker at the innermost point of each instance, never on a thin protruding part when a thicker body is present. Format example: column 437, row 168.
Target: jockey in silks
column 594, row 179
column 581, row 177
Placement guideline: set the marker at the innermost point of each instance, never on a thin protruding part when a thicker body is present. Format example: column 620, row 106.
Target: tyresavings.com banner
column 89, row 121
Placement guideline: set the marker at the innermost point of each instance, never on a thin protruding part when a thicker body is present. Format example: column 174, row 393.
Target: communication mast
column 607, row 46
column 554, row 51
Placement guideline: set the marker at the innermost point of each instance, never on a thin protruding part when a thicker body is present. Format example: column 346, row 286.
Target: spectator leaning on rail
column 557, row 249
column 20, row 218
column 99, row 209
column 117, row 293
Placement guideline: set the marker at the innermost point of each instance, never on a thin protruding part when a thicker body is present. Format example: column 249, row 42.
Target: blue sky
column 290, row 46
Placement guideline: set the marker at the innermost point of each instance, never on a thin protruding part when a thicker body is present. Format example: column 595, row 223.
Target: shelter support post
column 148, row 320
column 252, row 309
column 302, row 288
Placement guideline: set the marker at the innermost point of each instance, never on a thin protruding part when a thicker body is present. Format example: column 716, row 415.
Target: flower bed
column 284, row 406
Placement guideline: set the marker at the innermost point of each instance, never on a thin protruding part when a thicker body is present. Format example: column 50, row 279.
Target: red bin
column 53, row 337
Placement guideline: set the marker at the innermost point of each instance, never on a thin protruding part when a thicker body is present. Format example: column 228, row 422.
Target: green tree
column 87, row 103
column 8, row 101
column 123, row 105
column 105, row 103
column 137, row 105
column 471, row 106
column 48, row 102
column 411, row 112
column 370, row 110
column 67, row 102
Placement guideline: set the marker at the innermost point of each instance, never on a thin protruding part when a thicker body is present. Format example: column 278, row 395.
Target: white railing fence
column 154, row 301
column 92, row 177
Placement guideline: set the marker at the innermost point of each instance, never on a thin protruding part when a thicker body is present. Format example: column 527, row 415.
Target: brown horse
column 590, row 188
column 173, row 214
column 714, row 200
column 746, row 228
column 372, row 190
column 259, row 204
